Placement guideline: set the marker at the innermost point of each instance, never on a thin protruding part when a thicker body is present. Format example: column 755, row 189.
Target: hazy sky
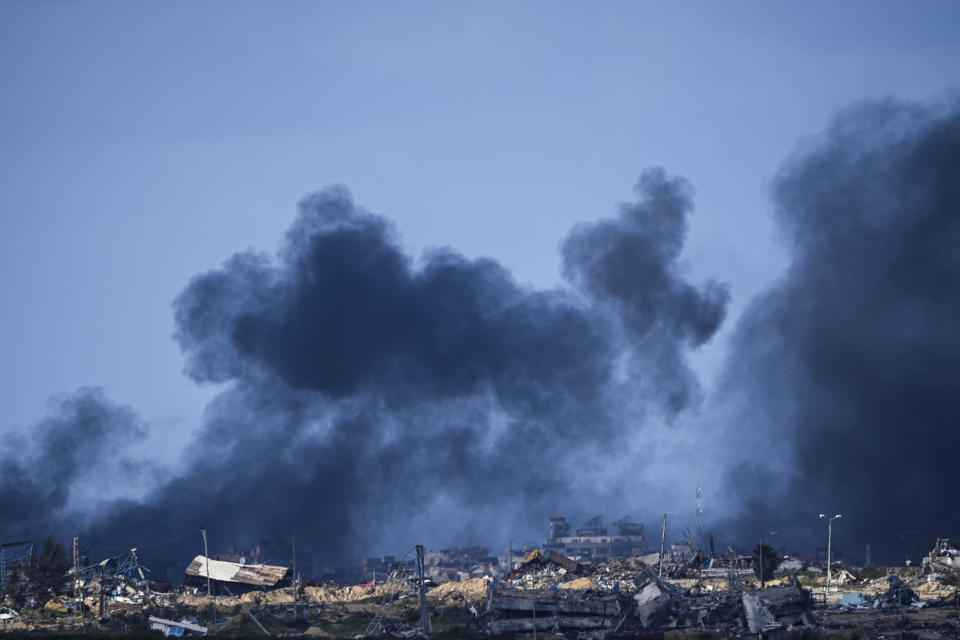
column 143, row 143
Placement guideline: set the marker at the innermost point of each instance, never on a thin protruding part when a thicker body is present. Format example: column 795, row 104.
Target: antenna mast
column 699, row 505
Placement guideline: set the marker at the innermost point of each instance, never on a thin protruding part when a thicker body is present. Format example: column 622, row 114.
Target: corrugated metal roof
column 258, row 574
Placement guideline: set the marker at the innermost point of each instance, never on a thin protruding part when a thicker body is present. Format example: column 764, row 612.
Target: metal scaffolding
column 13, row 552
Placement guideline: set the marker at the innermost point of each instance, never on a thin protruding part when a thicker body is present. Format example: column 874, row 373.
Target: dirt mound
column 471, row 591
column 317, row 632
column 579, row 583
column 351, row 593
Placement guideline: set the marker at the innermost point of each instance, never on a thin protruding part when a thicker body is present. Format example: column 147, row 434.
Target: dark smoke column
column 371, row 401
column 851, row 364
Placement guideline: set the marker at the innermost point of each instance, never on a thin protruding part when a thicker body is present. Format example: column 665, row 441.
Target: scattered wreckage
column 943, row 560
column 548, row 593
column 638, row 601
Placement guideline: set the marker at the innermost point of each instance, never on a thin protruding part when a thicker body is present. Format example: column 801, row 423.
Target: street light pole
column 829, row 541
column 663, row 540
column 206, row 559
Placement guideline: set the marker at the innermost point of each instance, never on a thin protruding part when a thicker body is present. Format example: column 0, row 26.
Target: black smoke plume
column 844, row 377
column 372, row 401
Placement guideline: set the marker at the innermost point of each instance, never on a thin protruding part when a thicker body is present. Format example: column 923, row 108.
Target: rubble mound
column 473, row 590
column 579, row 583
column 943, row 561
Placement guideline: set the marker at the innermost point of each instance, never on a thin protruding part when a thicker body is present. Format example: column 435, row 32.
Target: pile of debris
column 898, row 594
column 649, row 604
column 942, row 564
column 621, row 574
column 660, row 604
column 543, row 570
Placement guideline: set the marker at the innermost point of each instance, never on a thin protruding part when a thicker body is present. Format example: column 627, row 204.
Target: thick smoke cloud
column 630, row 264
column 79, row 445
column 849, row 368
column 372, row 400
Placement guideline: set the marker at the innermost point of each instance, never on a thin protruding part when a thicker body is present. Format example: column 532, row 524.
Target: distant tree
column 14, row 590
column 47, row 572
column 770, row 561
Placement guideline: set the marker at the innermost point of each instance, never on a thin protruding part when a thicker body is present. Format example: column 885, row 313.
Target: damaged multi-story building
column 593, row 541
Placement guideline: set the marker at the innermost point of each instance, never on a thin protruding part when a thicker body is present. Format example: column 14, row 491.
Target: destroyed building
column 639, row 603
column 460, row 564
column 374, row 565
column 518, row 610
column 943, row 560
column 593, row 541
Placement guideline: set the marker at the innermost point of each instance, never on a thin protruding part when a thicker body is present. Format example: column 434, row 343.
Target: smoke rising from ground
column 843, row 378
column 372, row 401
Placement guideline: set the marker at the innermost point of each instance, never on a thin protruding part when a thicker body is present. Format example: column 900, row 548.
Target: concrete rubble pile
column 548, row 610
column 661, row 605
column 546, row 570
column 898, row 594
column 543, row 570
column 645, row 603
column 943, row 562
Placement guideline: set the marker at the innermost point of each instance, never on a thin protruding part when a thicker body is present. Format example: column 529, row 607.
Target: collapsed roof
column 261, row 575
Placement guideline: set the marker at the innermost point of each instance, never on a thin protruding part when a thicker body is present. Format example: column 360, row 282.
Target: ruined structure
column 236, row 577
column 593, row 541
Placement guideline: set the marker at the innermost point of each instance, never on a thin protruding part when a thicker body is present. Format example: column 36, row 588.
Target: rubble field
column 548, row 595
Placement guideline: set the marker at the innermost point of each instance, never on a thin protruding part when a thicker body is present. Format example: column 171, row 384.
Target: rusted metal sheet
column 562, row 560
column 261, row 575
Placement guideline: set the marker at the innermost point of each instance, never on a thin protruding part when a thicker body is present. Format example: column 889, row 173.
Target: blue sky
column 143, row 143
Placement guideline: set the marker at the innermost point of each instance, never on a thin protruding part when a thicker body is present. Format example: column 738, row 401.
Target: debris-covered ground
column 548, row 594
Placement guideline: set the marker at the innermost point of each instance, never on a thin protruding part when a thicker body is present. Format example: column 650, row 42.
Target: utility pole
column 424, row 617
column 78, row 585
column 206, row 558
column 732, row 576
column 102, row 593
column 663, row 541
column 296, row 581
column 829, row 540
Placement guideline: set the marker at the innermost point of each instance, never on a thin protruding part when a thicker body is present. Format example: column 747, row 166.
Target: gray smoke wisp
column 371, row 400
column 843, row 378
column 68, row 460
